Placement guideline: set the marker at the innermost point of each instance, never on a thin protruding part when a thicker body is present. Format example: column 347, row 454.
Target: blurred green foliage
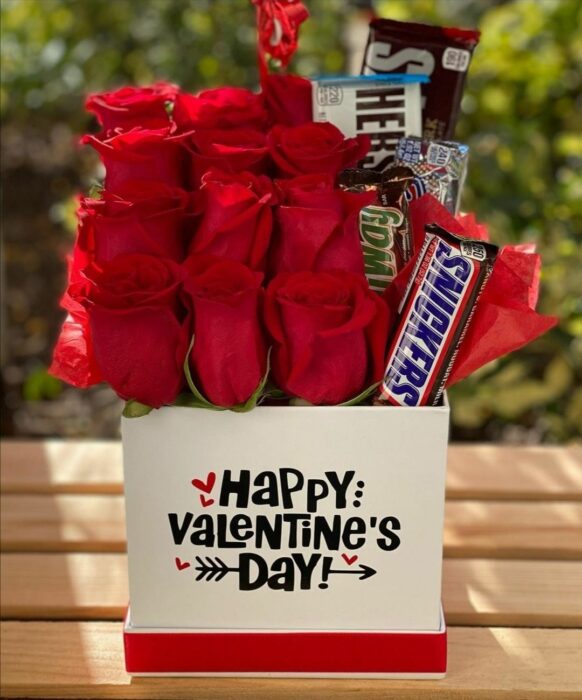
column 519, row 118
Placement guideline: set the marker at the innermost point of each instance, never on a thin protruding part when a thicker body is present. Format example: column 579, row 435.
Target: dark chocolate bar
column 442, row 53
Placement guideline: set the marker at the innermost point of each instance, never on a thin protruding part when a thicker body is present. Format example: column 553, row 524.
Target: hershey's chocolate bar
column 442, row 53
column 385, row 108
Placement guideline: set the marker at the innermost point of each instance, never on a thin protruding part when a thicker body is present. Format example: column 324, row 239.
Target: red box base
column 385, row 654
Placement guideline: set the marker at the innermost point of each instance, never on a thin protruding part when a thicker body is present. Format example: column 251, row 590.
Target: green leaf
column 201, row 401
column 272, row 392
column 96, row 190
column 189, row 401
column 257, row 395
column 135, row 409
column 360, row 398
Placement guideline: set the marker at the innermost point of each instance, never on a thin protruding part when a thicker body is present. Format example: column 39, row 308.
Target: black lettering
column 179, row 531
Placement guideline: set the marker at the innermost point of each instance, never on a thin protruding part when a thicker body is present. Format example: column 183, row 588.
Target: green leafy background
column 519, row 118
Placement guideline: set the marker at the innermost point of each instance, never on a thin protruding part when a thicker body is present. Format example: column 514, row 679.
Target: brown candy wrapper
column 442, row 53
column 383, row 226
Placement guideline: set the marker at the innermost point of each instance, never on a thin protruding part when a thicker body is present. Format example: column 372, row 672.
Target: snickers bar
column 435, row 312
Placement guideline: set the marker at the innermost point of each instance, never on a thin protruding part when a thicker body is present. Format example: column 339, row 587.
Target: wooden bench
column 512, row 587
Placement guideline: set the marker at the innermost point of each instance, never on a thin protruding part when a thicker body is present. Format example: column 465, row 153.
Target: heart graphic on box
column 181, row 565
column 349, row 560
column 207, row 485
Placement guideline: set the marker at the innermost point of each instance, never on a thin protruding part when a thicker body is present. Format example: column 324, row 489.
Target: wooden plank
column 63, row 586
column 475, row 591
column 489, row 472
column 509, row 593
column 71, row 660
column 61, row 466
column 62, row 523
column 515, row 530
column 502, row 472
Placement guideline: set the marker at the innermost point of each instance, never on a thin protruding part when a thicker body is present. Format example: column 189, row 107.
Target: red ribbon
column 278, row 23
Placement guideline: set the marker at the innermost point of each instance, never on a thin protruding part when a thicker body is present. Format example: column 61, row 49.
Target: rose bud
column 316, row 147
column 139, row 217
column 228, row 359
column 329, row 331
column 140, row 335
column 129, row 107
column 220, row 108
column 230, row 151
column 140, row 154
column 317, row 227
column 287, row 98
column 236, row 217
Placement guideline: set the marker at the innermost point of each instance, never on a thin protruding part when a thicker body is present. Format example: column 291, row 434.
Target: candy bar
column 442, row 53
column 435, row 313
column 384, row 231
column 386, row 108
column 440, row 165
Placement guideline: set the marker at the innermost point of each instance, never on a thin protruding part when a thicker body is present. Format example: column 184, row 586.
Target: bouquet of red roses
column 223, row 264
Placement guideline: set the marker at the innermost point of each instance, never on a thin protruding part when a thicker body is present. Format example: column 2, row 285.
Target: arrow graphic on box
column 215, row 569
column 362, row 571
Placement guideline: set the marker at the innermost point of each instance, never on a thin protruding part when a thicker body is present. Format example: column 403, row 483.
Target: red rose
column 140, row 154
column 236, row 217
column 140, row 217
column 330, row 335
column 230, row 151
column 317, row 147
column 317, row 230
column 287, row 98
column 140, row 336
column 129, row 107
column 220, row 108
column 229, row 356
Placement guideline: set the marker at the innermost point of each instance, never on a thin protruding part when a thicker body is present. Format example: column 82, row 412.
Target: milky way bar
column 385, row 234
column 441, row 165
column 435, row 313
column 442, row 53
column 386, row 108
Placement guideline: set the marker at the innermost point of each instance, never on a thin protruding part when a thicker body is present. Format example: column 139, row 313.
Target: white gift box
column 286, row 524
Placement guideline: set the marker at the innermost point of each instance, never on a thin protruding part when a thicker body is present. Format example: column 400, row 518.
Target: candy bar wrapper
column 442, row 53
column 505, row 318
column 386, row 108
column 441, row 298
column 383, row 226
column 441, row 167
